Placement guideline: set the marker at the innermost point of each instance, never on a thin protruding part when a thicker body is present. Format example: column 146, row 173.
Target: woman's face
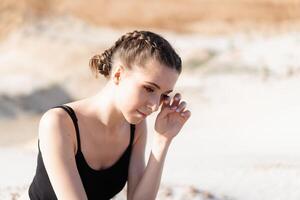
column 141, row 89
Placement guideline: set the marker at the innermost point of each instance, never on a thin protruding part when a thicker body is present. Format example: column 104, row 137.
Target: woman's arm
column 148, row 185
column 137, row 160
column 167, row 125
column 57, row 144
column 143, row 182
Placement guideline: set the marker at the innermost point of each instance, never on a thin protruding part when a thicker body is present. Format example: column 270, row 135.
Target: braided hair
column 136, row 48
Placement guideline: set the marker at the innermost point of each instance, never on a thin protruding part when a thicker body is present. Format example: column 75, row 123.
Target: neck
column 104, row 108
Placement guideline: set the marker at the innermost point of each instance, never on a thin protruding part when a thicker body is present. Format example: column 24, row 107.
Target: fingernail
column 177, row 110
column 173, row 107
column 182, row 114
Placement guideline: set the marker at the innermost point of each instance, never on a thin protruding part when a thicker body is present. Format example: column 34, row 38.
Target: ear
column 118, row 74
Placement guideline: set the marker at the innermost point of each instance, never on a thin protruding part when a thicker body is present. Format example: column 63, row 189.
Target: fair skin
column 119, row 103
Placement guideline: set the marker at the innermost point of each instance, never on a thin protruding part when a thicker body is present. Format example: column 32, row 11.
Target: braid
column 102, row 63
column 136, row 46
column 141, row 36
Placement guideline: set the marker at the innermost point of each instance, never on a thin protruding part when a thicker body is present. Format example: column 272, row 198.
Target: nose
column 153, row 103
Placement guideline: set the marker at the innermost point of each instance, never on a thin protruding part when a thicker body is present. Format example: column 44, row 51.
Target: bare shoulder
column 56, row 126
column 56, row 136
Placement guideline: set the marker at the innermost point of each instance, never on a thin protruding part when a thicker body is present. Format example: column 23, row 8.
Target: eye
column 148, row 89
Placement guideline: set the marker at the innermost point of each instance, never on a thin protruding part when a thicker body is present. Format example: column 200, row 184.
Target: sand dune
column 210, row 17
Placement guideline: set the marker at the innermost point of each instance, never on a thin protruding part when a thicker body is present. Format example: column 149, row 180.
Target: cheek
column 131, row 99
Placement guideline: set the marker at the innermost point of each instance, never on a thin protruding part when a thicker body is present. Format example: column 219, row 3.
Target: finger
column 181, row 106
column 176, row 100
column 165, row 101
column 186, row 114
column 166, row 110
column 162, row 99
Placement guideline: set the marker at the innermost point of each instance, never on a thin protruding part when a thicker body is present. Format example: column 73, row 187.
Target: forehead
column 155, row 72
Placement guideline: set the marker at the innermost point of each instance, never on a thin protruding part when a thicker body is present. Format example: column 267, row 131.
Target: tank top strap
column 72, row 114
column 132, row 130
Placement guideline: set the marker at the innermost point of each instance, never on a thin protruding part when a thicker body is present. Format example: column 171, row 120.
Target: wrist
column 160, row 145
column 161, row 140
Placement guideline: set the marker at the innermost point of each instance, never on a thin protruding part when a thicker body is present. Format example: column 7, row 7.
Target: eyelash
column 151, row 90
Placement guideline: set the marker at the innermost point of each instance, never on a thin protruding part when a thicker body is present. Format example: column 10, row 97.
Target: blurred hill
column 177, row 15
column 46, row 45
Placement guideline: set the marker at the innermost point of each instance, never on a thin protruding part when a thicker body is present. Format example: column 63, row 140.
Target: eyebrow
column 157, row 86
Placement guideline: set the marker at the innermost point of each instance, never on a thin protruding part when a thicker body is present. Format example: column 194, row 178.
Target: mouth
column 143, row 114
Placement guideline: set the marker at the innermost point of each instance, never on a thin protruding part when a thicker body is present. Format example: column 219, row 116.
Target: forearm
column 148, row 186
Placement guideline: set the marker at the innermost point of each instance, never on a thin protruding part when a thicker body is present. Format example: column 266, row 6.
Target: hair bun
column 101, row 64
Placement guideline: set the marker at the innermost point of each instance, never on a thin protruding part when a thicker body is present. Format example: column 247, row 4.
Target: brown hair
column 136, row 48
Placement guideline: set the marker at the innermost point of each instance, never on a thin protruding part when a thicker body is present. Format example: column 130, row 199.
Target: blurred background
column 241, row 69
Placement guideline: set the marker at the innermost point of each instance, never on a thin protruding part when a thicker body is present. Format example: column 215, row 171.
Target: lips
column 145, row 115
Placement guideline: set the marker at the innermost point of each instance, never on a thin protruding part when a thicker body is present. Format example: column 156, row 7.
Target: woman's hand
column 171, row 117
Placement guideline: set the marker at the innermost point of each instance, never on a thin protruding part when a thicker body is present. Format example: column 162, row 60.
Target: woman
column 89, row 149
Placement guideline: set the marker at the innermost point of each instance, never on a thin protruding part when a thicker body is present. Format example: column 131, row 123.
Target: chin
column 134, row 119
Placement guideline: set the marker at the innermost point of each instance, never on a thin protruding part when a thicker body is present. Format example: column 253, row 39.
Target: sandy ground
column 241, row 142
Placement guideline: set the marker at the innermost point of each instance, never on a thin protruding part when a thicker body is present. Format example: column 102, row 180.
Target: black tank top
column 98, row 184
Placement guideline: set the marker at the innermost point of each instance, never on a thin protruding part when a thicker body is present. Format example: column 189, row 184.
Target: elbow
column 141, row 196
